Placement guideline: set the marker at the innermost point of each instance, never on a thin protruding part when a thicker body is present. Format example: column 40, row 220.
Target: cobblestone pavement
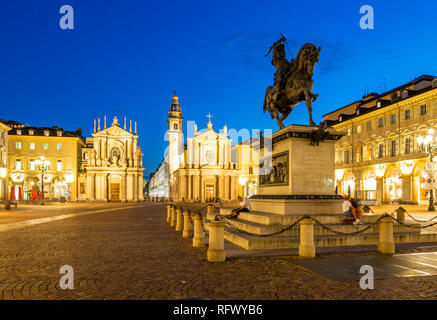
column 134, row 254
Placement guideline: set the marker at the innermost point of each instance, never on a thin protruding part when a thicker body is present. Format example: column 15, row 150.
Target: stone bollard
column 400, row 214
column 188, row 230
column 179, row 222
column 169, row 213
column 306, row 246
column 199, row 236
column 216, row 250
column 173, row 216
column 209, row 209
column 386, row 242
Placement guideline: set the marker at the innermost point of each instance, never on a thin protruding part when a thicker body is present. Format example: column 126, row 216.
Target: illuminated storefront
column 369, row 186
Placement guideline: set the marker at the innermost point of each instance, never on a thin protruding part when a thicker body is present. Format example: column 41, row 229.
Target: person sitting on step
column 244, row 207
column 352, row 211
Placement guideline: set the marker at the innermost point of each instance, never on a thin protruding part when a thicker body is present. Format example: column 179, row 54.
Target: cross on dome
column 209, row 116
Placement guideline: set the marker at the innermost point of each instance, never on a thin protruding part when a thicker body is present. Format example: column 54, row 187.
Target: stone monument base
column 297, row 172
column 297, row 204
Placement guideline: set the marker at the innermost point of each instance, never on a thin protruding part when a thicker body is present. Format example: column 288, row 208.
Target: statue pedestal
column 297, row 176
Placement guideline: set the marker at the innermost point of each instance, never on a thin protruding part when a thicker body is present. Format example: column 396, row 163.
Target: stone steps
column 260, row 223
column 292, row 242
column 287, row 219
column 260, row 229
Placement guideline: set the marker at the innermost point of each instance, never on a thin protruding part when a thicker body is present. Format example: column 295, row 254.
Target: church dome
column 175, row 104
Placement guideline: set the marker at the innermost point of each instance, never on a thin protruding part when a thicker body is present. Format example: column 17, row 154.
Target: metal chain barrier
column 419, row 220
column 226, row 221
column 413, row 226
column 329, row 229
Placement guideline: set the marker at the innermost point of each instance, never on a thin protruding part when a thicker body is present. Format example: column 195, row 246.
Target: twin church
column 199, row 170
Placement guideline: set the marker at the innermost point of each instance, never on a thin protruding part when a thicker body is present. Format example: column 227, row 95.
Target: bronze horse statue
column 292, row 83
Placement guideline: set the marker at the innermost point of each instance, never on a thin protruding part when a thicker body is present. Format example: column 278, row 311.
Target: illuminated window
column 381, row 150
column 59, row 146
column 46, row 146
column 380, row 122
column 18, row 145
column 408, row 145
column 393, row 148
column 46, row 133
column 30, row 132
column 59, row 165
column 18, row 164
column 32, row 146
column 32, row 165
column 423, row 109
column 359, row 129
column 85, row 155
column 349, row 131
column 19, row 132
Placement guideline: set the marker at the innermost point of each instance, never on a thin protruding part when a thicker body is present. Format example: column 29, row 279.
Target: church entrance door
column 115, row 192
column 210, row 191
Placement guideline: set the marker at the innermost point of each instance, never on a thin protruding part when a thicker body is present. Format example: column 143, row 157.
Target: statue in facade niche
column 292, row 82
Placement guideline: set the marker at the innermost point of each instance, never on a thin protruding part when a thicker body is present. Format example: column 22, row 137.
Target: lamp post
column 242, row 181
column 426, row 145
column 43, row 166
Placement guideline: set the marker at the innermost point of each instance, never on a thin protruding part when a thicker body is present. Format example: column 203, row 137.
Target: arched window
column 175, row 127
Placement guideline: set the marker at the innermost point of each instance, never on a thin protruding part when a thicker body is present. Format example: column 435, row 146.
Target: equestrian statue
column 292, row 82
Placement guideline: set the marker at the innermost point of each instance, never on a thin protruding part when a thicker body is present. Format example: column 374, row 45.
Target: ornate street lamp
column 43, row 166
column 427, row 145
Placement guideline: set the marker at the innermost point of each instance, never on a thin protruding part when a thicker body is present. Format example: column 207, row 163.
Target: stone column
column 135, row 186
column 386, row 242
column 209, row 209
column 105, row 187
column 179, row 223
column 140, row 187
column 226, row 188
column 379, row 190
column 123, row 190
column 189, row 191
column 358, row 190
column 105, row 149
column 98, row 152
column 90, row 187
column 199, row 236
column 196, row 183
column 169, row 213
column 221, row 187
column 97, row 187
column 306, row 246
column 407, row 188
column 129, row 152
column 129, row 189
column 183, row 187
column 202, row 189
column 173, row 216
column 415, row 189
column 188, row 230
column 216, row 250
column 233, row 188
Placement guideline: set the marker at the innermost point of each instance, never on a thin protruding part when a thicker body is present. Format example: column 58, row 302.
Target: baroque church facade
column 112, row 167
column 201, row 169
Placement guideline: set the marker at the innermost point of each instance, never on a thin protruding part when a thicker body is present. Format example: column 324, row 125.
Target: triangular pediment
column 113, row 131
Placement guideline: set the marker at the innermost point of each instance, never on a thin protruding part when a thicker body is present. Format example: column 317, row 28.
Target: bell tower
column 175, row 136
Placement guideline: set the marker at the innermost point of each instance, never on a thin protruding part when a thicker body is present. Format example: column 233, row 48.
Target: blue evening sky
column 127, row 57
